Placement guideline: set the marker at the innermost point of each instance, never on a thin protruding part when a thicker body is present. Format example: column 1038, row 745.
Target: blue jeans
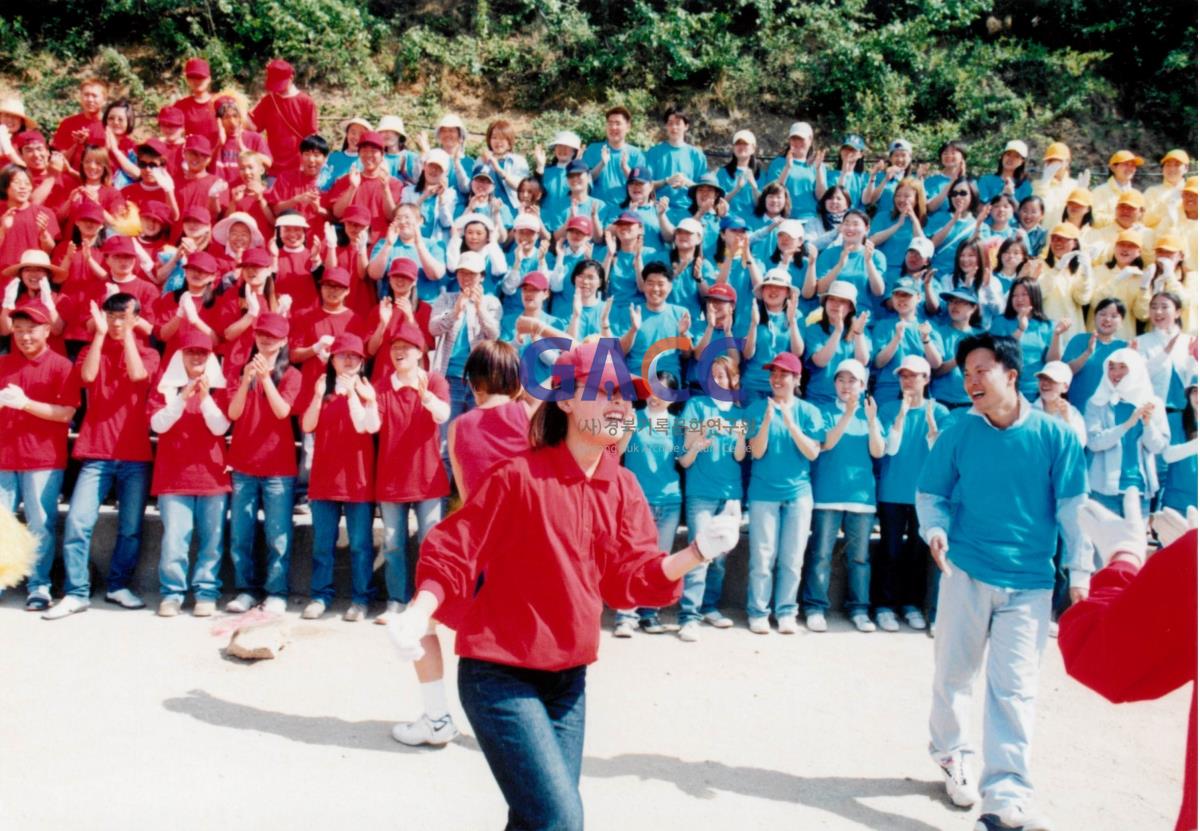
column 778, row 533
column 529, row 724
column 96, row 479
column 395, row 541
column 826, row 524
column 702, row 585
column 461, row 400
column 276, row 495
column 180, row 515
column 666, row 520
column 39, row 490
column 1012, row 626
column 325, row 517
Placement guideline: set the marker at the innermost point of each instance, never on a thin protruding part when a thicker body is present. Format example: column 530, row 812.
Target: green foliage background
column 1100, row 74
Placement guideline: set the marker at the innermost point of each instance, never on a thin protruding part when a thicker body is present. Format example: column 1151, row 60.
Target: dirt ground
column 121, row 720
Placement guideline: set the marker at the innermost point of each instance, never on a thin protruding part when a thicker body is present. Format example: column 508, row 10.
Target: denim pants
column 702, row 585
column 529, row 724
column 325, row 517
column 39, row 491
column 900, row 562
column 395, row 541
column 276, row 494
column 180, row 516
column 1013, row 626
column 826, row 524
column 96, row 479
column 778, row 533
column 666, row 520
column 304, row 468
column 461, row 400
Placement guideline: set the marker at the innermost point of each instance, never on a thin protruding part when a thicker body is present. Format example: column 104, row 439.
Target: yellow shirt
column 1054, row 196
column 1127, row 288
column 1158, row 199
column 1100, row 242
column 1104, row 202
column 1065, row 294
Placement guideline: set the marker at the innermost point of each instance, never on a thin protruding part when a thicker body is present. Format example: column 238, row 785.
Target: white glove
column 406, row 630
column 721, row 533
column 252, row 304
column 10, row 294
column 110, row 288
column 1068, row 258
column 1169, row 525
column 285, row 304
column 187, row 308
column 1050, row 170
column 321, row 347
column 330, row 236
column 1111, row 534
column 13, row 396
column 1147, row 277
column 45, row 294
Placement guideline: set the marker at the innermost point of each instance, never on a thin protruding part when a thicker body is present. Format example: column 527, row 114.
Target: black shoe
column 37, row 603
column 652, row 625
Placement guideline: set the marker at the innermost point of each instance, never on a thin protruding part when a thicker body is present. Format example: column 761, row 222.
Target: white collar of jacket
column 1024, row 408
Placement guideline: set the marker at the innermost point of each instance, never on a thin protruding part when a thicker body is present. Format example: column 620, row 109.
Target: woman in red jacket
column 529, row 561
column 342, row 416
column 190, row 479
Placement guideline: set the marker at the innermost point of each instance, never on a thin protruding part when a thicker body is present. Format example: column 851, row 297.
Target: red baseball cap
column 279, row 75
column 196, row 143
column 197, row 68
column 402, row 267
column 536, row 279
column 197, row 213
column 270, row 323
column 35, row 310
column 191, row 338
column 347, row 342
column 157, row 210
column 357, row 214
column 373, row 138
column 582, row 224
column 409, row 333
column 255, row 258
column 117, row 246
column 155, row 145
column 722, row 291
column 88, row 211
column 581, row 359
column 785, row 361
column 336, row 276
column 201, row 261
column 170, row 117
column 27, row 137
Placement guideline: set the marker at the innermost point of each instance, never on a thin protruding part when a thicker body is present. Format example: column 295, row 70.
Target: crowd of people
column 377, row 321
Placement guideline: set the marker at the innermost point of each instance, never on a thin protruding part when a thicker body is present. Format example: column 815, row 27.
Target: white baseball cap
column 922, row 245
column 794, row 228
column 526, row 222
column 1057, row 371
column 774, row 277
column 914, row 363
column 854, row 368
column 801, row 128
column 472, row 261
column 746, row 136
column 690, row 225
column 899, row 144
column 567, row 139
column 843, row 289
column 439, row 157
column 1018, row 146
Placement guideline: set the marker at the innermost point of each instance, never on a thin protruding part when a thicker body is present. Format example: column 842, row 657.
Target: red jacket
column 1134, row 639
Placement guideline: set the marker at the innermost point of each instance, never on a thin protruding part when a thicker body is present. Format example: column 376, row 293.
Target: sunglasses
column 150, row 165
column 960, row 193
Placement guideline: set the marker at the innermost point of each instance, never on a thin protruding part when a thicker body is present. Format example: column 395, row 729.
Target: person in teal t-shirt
column 774, row 328
column 609, row 160
column 1179, row 484
column 675, row 164
column 838, row 335
column 961, row 321
column 1086, row 352
column 1025, row 321
column 657, row 327
column 787, row 439
column 793, row 171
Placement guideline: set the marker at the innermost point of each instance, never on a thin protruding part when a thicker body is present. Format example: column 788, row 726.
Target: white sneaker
column 788, row 625
column 1013, row 817
column 394, row 607
column 69, row 605
column 275, row 605
column 863, row 623
column 204, row 608
column 760, row 626
column 354, row 613
column 623, row 629
column 313, row 610
column 242, row 603
column 125, row 599
column 915, row 619
column 425, row 730
column 169, row 608
column 960, row 786
column 815, row 622
column 718, row 620
column 886, row 619
column 690, row 631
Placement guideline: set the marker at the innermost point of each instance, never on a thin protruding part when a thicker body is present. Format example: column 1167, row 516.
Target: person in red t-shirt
column 157, row 183
column 121, row 260
column 556, row 533
column 95, row 186
column 47, row 169
column 198, row 188
column 242, row 303
column 262, row 457
column 286, row 115
column 342, row 416
column 236, row 234
column 234, row 140
column 191, row 483
column 400, row 304
column 198, row 107
column 348, row 250
column 38, row 398
column 192, row 308
column 114, row 446
column 248, row 194
column 371, row 188
column 118, row 142
column 297, row 190
column 314, row 330
column 72, row 132
column 295, row 262
column 23, row 224
column 30, row 280
column 80, row 276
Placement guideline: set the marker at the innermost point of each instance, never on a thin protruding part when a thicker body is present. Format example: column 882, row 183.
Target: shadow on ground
column 840, row 796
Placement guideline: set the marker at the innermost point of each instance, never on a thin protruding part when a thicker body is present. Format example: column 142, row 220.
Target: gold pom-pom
column 128, row 224
column 18, row 550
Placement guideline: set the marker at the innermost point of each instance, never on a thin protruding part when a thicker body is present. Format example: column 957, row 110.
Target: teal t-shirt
column 610, row 184
column 887, row 385
column 1087, row 379
column 783, row 473
column 820, row 389
column 943, row 256
column 948, row 387
column 773, row 336
column 1034, row 345
column 1179, row 484
column 650, row 456
column 801, row 185
column 666, row 160
column 1004, row 487
column 845, row 475
column 657, row 326
column 898, row 473
column 715, row 473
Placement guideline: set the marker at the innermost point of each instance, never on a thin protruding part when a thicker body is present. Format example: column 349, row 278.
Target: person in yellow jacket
column 1056, row 183
column 1125, row 277
column 1128, row 212
column 1123, row 166
column 1185, row 226
column 1066, row 278
column 1168, row 272
column 1162, row 200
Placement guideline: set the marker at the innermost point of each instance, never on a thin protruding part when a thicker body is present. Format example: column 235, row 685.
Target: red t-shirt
column 363, row 295
column 229, row 309
column 194, row 193
column 32, row 443
column 80, row 288
column 263, row 445
column 190, row 459
column 343, row 467
column 147, row 294
column 64, row 141
column 369, row 196
column 293, row 276
column 24, row 233
column 287, row 121
column 483, row 438
column 199, row 119
column 289, row 185
column 115, row 425
column 108, row 198
column 307, row 328
column 251, row 205
column 166, row 307
column 141, row 196
column 383, row 361
column 554, row 547
column 409, row 432
column 225, row 160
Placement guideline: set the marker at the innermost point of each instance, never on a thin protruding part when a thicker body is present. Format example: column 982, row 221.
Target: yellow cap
column 1058, row 151
column 1123, row 156
column 1130, row 236
column 1168, row 242
column 1190, row 186
column 1065, row 230
column 1132, row 197
column 1081, row 196
column 1177, row 155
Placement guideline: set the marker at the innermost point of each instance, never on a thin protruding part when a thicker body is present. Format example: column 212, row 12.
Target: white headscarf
column 1134, row 388
column 176, row 378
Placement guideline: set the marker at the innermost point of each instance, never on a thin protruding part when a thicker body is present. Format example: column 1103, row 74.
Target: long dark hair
column 331, row 375
column 282, row 363
column 731, row 166
column 1035, row 299
column 760, row 207
column 1075, row 263
column 959, row 277
column 1189, row 418
column 827, row 327
column 823, row 209
column 586, row 263
column 548, row 427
